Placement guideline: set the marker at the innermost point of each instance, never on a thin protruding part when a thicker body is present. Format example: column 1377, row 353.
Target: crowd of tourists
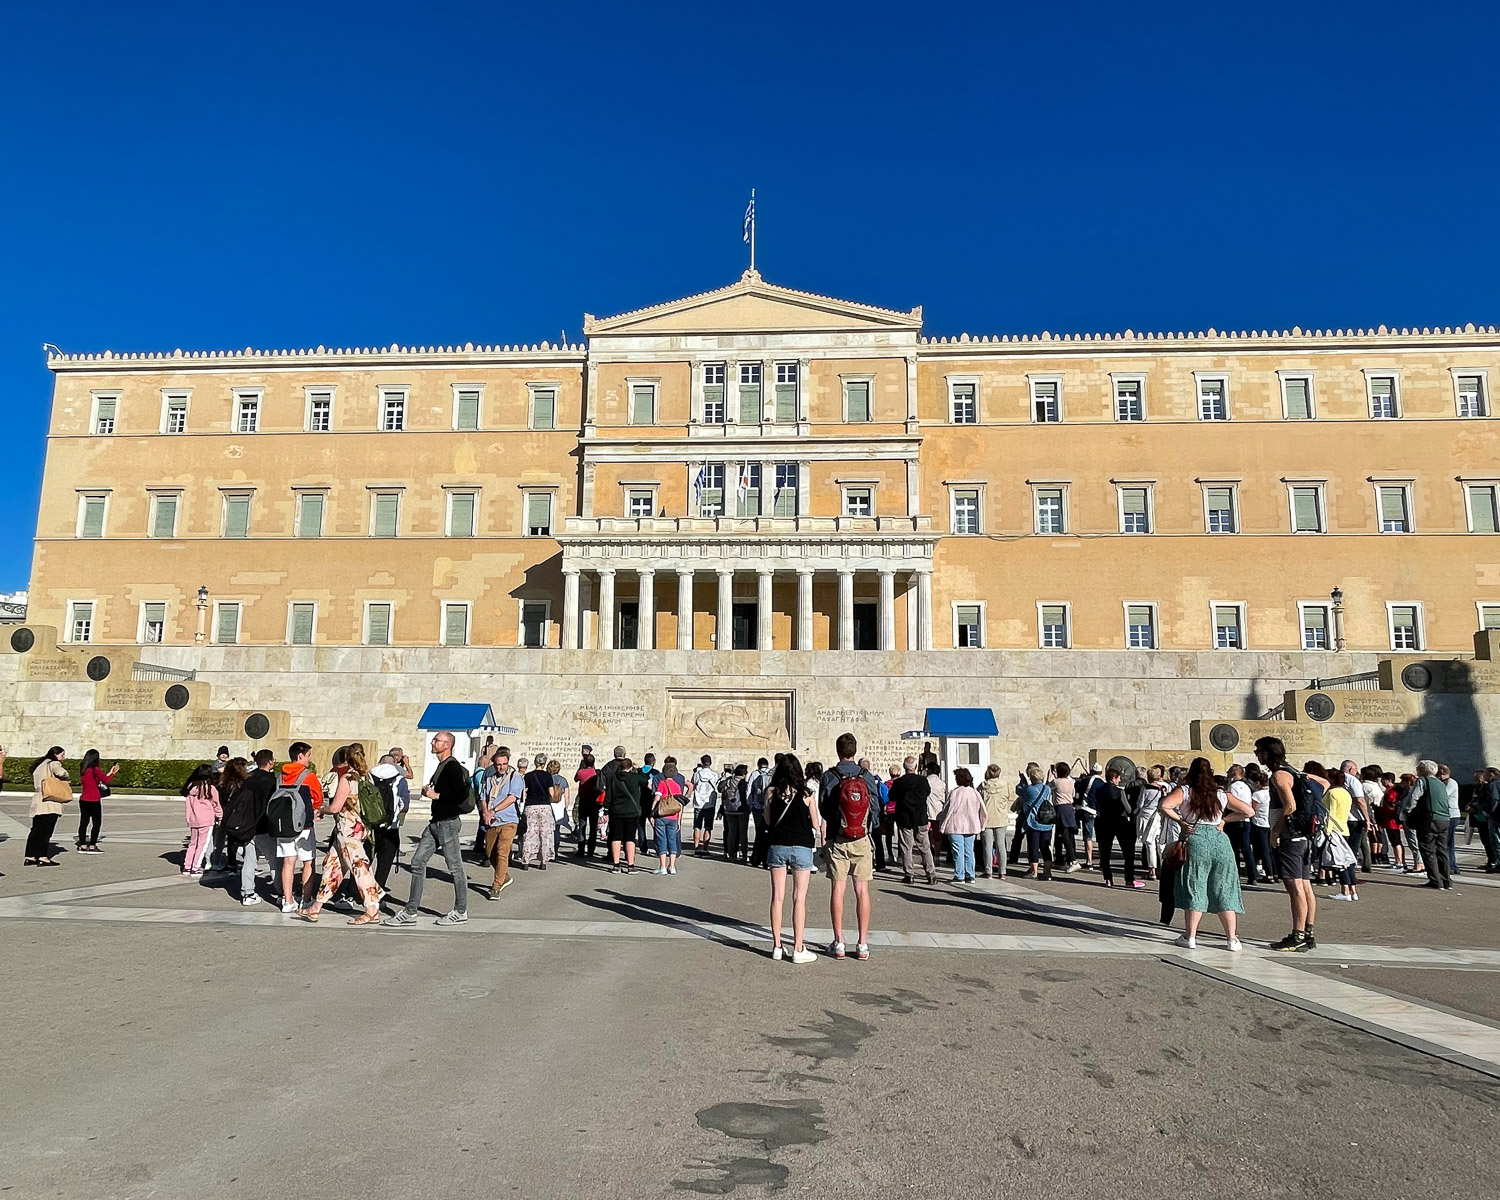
column 1200, row 837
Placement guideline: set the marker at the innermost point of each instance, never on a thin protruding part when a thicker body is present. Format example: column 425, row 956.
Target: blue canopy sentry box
column 963, row 739
column 467, row 723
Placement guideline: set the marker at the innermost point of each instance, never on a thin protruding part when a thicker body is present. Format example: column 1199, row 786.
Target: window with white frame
column 1219, row 508
column 1052, row 626
column 963, row 402
column 965, row 506
column 709, row 485
column 1406, row 626
column 81, row 621
column 1140, row 626
column 788, row 489
column 227, row 622
column 174, row 406
column 246, row 412
column 750, row 404
column 466, row 407
column 319, row 409
column 543, row 407
column 642, row 403
column 105, row 407
column 856, row 401
column 301, row 620
column 378, row 615
column 859, row 501
column 153, row 622
column 1130, row 403
column 463, row 508
column 640, row 502
column 1385, row 396
column 455, row 624
column 1307, row 508
column 747, row 490
column 1229, row 626
column 1051, row 509
column 1297, row 397
column 538, row 514
column 968, row 626
column 237, row 514
column 92, row 507
column 713, row 393
column 1472, row 395
column 787, row 374
column 1394, row 503
column 392, row 409
column 164, row 507
column 1046, row 408
column 1316, row 624
column 1489, row 616
column 1135, row 509
column 1213, row 398
column 385, row 513
column 534, row 617
column 310, row 509
column 1484, row 510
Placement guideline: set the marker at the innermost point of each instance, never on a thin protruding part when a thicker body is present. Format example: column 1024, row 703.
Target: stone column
column 804, row 608
column 724, row 631
column 887, row 610
column 846, row 608
column 911, row 611
column 924, row 610
column 763, row 608
column 646, row 606
column 607, row 609
column 684, row 608
column 570, row 610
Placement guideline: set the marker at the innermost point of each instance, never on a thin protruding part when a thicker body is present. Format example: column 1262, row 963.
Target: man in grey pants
column 911, row 793
column 448, row 791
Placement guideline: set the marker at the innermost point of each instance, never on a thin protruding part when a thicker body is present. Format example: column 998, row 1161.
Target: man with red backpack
column 849, row 802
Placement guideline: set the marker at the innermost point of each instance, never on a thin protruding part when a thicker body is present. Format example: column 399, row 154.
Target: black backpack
column 239, row 815
column 1311, row 817
column 1046, row 811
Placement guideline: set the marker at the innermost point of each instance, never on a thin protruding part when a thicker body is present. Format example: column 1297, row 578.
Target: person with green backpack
column 353, row 793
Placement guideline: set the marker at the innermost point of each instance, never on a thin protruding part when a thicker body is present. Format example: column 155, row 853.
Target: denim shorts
column 793, row 858
column 668, row 835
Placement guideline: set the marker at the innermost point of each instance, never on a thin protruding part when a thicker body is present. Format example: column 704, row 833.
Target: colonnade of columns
column 919, row 627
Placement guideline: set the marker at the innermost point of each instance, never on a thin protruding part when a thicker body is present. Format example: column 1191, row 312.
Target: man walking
column 849, row 804
column 758, row 783
column 500, row 813
column 1432, row 822
column 296, row 843
column 910, row 793
column 448, row 790
column 1292, row 814
column 1455, row 814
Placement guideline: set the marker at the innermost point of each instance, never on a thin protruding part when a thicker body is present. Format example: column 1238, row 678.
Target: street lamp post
column 202, row 613
column 1337, row 596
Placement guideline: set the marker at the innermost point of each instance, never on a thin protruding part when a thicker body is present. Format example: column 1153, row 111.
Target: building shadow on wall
column 1448, row 729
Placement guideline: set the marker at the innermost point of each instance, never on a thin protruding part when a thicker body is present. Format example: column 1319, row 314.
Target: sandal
column 364, row 918
column 304, row 914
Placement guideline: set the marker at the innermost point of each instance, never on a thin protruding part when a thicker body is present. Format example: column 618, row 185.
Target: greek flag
column 749, row 218
column 698, row 481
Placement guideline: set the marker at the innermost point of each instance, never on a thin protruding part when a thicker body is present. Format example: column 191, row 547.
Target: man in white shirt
column 1445, row 776
column 705, row 787
column 1240, row 833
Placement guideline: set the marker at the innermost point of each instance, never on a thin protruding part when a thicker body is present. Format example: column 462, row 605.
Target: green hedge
column 147, row 774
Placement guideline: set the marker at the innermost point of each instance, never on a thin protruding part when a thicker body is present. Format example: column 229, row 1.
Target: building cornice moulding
column 469, row 354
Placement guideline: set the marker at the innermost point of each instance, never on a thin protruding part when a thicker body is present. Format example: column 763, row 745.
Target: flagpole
column 752, row 228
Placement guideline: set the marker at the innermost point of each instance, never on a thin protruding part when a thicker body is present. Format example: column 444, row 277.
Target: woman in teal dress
column 1209, row 881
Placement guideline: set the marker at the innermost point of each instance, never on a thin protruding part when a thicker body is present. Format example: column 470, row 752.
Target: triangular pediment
column 753, row 306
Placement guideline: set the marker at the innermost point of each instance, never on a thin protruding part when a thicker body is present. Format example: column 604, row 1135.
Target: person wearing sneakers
column 666, row 817
column 448, row 791
column 792, row 820
column 1293, row 808
column 1340, row 803
column 1207, row 879
column 500, row 813
column 297, row 849
column 849, row 803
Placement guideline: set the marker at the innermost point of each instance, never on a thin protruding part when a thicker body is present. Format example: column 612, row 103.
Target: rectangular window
column 1135, row 510
column 1472, row 401
column 237, row 514
column 538, row 514
column 1384, row 397
column 247, row 413
column 711, row 490
column 1140, row 627
column 1053, row 620
column 750, row 409
column 713, row 393
column 1406, row 630
column 544, row 408
column 640, row 502
column 747, row 490
column 534, row 624
column 91, row 509
column 300, row 626
column 1296, row 396
column 465, row 408
column 174, row 413
column 1229, row 632
column 856, row 401
column 319, row 410
column 377, row 624
column 786, row 392
column 1219, row 502
column 1489, row 616
column 966, row 510
column 164, row 515
column 461, row 514
column 455, row 624
column 1315, row 626
column 1395, row 514
column 1307, row 510
column 963, row 404
column 859, row 502
column 643, row 403
column 1212, row 404
column 153, row 623
column 787, row 488
column 81, row 621
column 392, row 411
column 968, row 631
column 1044, row 405
column 1050, row 514
column 385, row 514
column 1129, row 406
column 1484, row 514
column 227, row 623
column 310, row 506
column 104, row 413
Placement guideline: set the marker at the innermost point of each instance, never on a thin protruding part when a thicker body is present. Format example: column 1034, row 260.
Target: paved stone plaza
column 599, row 1035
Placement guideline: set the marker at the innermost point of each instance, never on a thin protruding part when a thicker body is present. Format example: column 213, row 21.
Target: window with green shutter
column 713, row 393
column 1471, row 398
column 1489, row 616
column 857, row 401
column 237, row 516
column 538, row 514
column 1383, row 397
column 104, row 414
column 1314, row 627
column 970, row 635
column 461, row 514
column 750, row 409
column 534, row 624
column 1140, row 627
column 643, row 404
column 467, row 402
column 455, row 624
column 1394, row 517
column 786, row 392
column 1220, row 509
column 1134, row 510
column 310, row 507
column 1054, row 626
column 82, row 623
column 1405, row 633
column 1044, row 407
column 164, row 517
column 1483, row 513
column 787, row 485
column 1307, row 510
column 302, row 624
column 1050, row 514
column 710, row 490
column 747, row 490
column 91, row 522
column 153, row 623
column 378, row 625
column 385, row 514
column 1298, row 399
column 227, row 632
column 543, row 408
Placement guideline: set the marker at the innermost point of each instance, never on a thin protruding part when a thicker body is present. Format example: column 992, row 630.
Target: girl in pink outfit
column 203, row 809
column 962, row 818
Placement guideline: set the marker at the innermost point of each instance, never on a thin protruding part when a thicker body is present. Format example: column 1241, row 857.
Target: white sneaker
column 777, row 953
column 1235, row 944
column 659, row 871
column 671, row 870
column 835, row 949
column 1186, row 942
column 803, row 957
column 252, row 898
column 453, row 918
column 1073, row 869
column 1355, row 896
column 1339, row 896
column 288, row 907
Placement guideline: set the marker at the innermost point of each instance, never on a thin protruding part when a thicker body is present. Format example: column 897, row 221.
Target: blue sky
column 213, row 176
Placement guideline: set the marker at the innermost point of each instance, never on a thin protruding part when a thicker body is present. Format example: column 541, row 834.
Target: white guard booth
column 468, row 723
column 963, row 736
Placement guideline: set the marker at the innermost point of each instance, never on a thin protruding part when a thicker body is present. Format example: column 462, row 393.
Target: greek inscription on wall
column 48, row 668
column 128, row 696
column 844, row 716
column 603, row 716
column 208, row 724
column 1372, row 708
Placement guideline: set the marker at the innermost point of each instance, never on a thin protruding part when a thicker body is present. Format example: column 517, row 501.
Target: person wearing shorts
column 791, row 819
column 848, row 856
column 297, row 853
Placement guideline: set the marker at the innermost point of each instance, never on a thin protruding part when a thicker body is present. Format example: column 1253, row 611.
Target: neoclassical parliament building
column 783, row 477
